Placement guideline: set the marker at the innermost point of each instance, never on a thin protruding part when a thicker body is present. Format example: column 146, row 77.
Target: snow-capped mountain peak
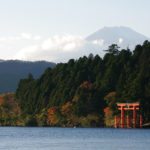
column 123, row 36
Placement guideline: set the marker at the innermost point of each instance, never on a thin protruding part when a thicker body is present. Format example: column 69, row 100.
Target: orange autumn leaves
column 52, row 118
column 9, row 110
column 54, row 114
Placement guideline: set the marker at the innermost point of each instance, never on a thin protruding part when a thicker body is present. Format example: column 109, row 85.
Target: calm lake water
column 73, row 139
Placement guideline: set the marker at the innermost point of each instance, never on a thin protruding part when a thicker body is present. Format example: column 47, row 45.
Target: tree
column 113, row 49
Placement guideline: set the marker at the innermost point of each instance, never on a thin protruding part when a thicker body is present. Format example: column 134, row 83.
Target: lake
column 20, row 138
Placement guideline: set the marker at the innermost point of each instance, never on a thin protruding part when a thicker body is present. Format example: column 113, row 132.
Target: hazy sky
column 26, row 23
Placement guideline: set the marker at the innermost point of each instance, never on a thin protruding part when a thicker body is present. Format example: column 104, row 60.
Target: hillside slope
column 84, row 92
column 11, row 71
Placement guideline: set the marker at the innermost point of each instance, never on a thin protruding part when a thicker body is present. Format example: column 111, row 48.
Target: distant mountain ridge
column 11, row 71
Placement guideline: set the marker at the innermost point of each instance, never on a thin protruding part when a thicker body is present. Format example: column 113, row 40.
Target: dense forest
column 84, row 92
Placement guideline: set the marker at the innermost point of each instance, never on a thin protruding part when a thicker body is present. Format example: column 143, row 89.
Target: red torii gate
column 125, row 107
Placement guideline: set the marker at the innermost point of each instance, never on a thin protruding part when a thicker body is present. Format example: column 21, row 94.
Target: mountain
column 123, row 36
column 11, row 71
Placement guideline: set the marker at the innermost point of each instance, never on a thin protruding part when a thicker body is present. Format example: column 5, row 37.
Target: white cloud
column 37, row 37
column 22, row 36
column 65, row 43
column 98, row 42
column 57, row 48
column 26, row 53
column 120, row 40
column 26, row 36
column 10, row 38
column 2, row 39
column 14, row 38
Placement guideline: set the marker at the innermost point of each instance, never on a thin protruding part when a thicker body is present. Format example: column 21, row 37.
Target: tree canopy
column 85, row 87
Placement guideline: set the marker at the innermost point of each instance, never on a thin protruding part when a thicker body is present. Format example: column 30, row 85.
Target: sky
column 54, row 30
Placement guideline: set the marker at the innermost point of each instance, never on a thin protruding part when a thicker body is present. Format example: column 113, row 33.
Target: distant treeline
column 84, row 92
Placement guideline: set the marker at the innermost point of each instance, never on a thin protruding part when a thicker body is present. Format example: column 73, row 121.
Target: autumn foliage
column 52, row 116
column 9, row 110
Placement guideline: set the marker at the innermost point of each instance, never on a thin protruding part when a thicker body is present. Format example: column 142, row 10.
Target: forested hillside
column 82, row 92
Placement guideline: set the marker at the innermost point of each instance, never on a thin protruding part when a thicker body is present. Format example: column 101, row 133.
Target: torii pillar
column 122, row 117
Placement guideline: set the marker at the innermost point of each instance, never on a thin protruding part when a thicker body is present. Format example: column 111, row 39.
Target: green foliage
column 113, row 49
column 90, row 120
column 86, row 81
column 31, row 121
